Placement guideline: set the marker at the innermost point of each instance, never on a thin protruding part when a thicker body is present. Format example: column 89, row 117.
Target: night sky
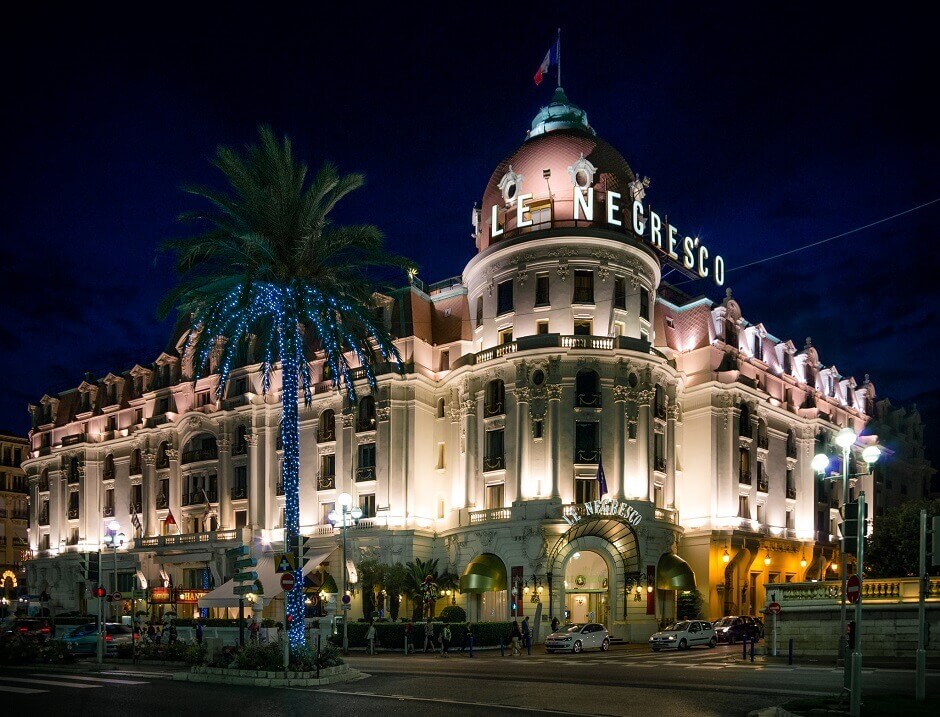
column 762, row 128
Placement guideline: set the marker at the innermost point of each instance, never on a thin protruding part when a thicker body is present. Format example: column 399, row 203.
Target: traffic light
column 851, row 630
column 100, row 591
column 849, row 527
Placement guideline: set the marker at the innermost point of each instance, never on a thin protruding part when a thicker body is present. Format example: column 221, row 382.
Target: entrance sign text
column 606, row 507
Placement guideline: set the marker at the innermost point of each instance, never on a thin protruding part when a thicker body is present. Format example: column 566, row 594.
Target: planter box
column 328, row 675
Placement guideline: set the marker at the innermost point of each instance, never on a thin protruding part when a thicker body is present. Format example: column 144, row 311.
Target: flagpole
column 559, row 57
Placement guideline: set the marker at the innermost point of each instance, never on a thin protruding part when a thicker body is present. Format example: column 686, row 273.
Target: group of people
column 520, row 636
column 433, row 641
column 155, row 632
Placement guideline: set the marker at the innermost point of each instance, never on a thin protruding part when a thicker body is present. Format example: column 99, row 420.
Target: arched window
column 365, row 420
column 440, row 408
column 326, row 428
column 202, row 447
column 744, row 422
column 108, row 472
column 587, row 389
column 494, row 401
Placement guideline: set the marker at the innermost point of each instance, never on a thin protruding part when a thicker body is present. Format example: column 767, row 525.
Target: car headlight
column 671, row 637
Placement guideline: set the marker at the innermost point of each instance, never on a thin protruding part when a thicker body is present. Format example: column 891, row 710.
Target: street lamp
column 346, row 516
column 845, row 439
column 536, row 588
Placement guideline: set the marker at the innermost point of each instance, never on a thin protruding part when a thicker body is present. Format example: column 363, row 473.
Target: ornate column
column 554, row 428
column 348, row 478
column 176, row 486
column 469, row 411
column 254, row 482
column 522, row 438
column 669, row 490
column 226, row 516
column 620, row 441
column 56, row 507
column 149, row 490
column 644, row 444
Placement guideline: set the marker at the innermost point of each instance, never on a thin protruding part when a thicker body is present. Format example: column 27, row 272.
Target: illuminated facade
column 14, row 517
column 559, row 348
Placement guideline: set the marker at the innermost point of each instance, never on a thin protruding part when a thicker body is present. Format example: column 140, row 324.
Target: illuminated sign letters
column 602, row 508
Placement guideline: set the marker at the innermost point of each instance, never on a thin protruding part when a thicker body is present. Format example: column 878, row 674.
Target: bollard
column 471, row 644
column 744, row 649
column 502, row 648
column 790, row 651
column 752, row 650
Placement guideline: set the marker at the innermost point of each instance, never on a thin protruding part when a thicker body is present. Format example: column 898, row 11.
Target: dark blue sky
column 762, row 128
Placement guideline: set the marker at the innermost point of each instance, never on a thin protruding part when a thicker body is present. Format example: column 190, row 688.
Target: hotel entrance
column 587, row 588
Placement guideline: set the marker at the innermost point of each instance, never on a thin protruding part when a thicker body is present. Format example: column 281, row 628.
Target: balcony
column 587, row 455
column 171, row 541
column 744, row 477
column 239, row 492
column 588, row 400
column 74, row 439
column 791, row 492
column 485, row 516
column 107, row 511
column 326, row 482
column 667, row 515
column 494, row 463
column 73, row 513
column 364, row 473
column 201, row 454
column 163, row 501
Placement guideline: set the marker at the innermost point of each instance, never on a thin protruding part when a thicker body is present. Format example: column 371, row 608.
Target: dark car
column 28, row 627
column 84, row 640
column 735, row 628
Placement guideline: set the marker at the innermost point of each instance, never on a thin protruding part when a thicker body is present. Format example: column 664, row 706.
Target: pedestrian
column 151, row 632
column 172, row 638
column 554, row 624
column 428, row 636
column 370, row 638
column 280, row 629
column 253, row 629
column 198, row 632
column 526, row 635
column 409, row 631
column 158, row 636
column 445, row 640
column 468, row 638
column 515, row 637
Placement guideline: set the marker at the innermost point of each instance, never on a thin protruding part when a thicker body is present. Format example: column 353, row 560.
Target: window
column 44, row 541
column 587, row 443
column 138, row 416
column 495, row 398
column 479, row 311
column 504, row 302
column 325, row 510
column 445, row 360
column 587, row 389
column 583, row 287
column 644, row 303
column 758, row 346
column 658, row 496
column 620, row 328
column 744, row 510
column 541, row 327
column 659, row 403
column 494, row 496
column 541, row 290
column 326, row 429
column 239, row 482
column 761, row 514
column 162, row 406
column 810, row 375
column 494, row 457
column 109, row 501
column 789, row 519
column 440, row 408
column 367, row 504
column 537, row 429
column 326, row 372
column 327, row 471
column 108, row 473
column 787, row 362
column 659, row 451
column 163, row 497
column 505, row 336
column 441, row 453
column 791, row 486
column 202, row 399
column 761, row 477
column 585, row 489
column 366, row 417
column 744, row 465
column 620, row 293
column 111, row 424
column 366, row 462
column 583, row 327
column 744, row 421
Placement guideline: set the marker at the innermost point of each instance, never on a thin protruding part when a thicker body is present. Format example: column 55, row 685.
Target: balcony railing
column 587, row 455
column 762, row 485
column 201, row 454
column 364, row 473
column 885, row 591
column 588, row 400
column 136, row 507
column 791, row 492
column 666, row 514
column 587, row 342
column 493, row 408
column 239, row 492
column 108, row 511
column 326, row 436
column 326, row 482
column 240, row 448
column 163, row 501
column 661, row 411
column 107, row 475
column 217, row 536
column 484, row 516
column 494, row 463
column 659, row 464
column 73, row 513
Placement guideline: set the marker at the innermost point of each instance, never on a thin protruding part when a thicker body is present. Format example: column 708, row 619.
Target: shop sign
column 189, row 597
column 160, row 596
column 605, row 507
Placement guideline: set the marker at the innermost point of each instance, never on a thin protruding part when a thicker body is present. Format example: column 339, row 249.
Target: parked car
column 683, row 635
column 735, row 628
column 32, row 628
column 577, row 637
column 83, row 640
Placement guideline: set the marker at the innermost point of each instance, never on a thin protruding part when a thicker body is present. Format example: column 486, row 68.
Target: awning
column 485, row 573
column 673, row 573
column 270, row 579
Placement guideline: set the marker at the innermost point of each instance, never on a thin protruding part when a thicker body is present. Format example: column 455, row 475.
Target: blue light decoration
column 206, row 585
column 283, row 320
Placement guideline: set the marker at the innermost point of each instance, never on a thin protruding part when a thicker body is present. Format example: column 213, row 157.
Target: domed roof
column 560, row 149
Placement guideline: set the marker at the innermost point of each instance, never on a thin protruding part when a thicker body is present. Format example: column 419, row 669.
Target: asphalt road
column 624, row 681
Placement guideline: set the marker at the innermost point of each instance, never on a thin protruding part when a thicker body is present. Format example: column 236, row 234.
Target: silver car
column 577, row 637
column 683, row 635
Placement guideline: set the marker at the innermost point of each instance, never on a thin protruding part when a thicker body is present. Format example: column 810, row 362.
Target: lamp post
column 346, row 515
column 845, row 439
column 115, row 539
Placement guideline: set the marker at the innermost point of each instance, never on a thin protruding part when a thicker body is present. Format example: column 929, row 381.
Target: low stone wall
column 328, row 675
column 887, row 630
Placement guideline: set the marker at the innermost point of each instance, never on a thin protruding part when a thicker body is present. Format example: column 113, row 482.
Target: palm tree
column 422, row 592
column 270, row 268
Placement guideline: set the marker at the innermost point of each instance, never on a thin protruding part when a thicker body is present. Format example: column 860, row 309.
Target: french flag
column 551, row 60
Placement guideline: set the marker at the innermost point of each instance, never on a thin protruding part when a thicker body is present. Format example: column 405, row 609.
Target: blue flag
column 601, row 479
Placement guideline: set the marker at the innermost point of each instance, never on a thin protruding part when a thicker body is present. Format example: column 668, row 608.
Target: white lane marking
column 441, row 700
column 164, row 675
column 109, row 681
column 21, row 690
column 79, row 685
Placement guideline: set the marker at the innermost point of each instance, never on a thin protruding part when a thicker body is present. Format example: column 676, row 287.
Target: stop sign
column 774, row 608
column 287, row 581
column 853, row 589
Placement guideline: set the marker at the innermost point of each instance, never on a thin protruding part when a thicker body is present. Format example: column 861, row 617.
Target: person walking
column 554, row 624
column 428, row 636
column 198, row 632
column 151, row 632
column 370, row 638
column 409, row 631
column 515, row 637
column 253, row 629
column 445, row 640
column 526, row 635
column 468, row 639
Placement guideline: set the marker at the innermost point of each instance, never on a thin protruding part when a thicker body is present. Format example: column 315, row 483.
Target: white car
column 577, row 637
column 683, row 635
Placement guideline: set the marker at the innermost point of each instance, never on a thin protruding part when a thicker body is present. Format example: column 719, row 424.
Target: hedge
column 391, row 635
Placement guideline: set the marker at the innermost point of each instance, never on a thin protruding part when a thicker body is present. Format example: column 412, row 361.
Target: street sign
column 245, row 589
column 117, row 596
column 243, row 577
column 284, row 563
column 287, row 582
column 774, row 608
column 345, row 599
column 853, row 589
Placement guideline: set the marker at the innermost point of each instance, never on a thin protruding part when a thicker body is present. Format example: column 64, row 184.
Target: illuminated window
column 583, row 327
column 494, row 496
column 367, row 504
column 505, row 336
column 744, row 509
column 644, row 303
column 479, row 311
column 541, row 327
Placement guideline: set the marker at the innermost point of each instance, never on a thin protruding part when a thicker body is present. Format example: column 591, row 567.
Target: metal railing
column 108, row 511
column 238, row 492
column 762, row 485
column 364, row 473
column 494, row 463
column 587, row 455
column 791, row 492
column 163, row 501
column 326, row 482
column 484, row 516
column 216, row 536
column 201, row 454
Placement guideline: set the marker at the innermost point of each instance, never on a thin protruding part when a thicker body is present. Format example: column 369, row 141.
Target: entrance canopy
column 270, row 579
column 673, row 573
column 485, row 573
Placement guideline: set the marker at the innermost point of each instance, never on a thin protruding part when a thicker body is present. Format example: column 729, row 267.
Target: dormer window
column 758, row 346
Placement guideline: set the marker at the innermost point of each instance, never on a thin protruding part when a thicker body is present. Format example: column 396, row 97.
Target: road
column 624, row 681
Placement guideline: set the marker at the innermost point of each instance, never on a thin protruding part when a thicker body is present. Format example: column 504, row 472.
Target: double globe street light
column 348, row 515
column 845, row 439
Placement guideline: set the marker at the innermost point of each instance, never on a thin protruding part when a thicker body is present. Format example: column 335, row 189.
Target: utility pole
column 855, row 700
column 922, row 584
column 100, row 646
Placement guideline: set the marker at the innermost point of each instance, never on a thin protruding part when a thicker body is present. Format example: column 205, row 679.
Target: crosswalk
column 34, row 683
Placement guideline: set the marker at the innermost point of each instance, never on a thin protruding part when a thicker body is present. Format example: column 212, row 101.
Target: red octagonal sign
column 287, row 581
column 853, row 589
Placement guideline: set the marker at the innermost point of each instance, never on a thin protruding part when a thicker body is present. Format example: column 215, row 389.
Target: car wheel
column 683, row 645
column 605, row 645
column 577, row 647
column 713, row 642
column 731, row 640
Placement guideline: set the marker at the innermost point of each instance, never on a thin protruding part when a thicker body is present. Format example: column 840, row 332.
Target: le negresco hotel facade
column 559, row 347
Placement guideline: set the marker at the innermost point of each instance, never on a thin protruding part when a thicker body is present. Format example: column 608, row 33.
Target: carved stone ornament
column 326, row 450
column 553, row 392
column 522, row 395
column 563, row 271
column 224, row 445
column 367, row 437
column 194, row 423
column 673, row 412
column 496, row 423
column 603, row 273
column 510, row 185
column 149, row 457
column 645, row 397
column 521, row 277
column 383, row 414
column 581, row 173
column 173, row 454
column 469, row 407
column 621, row 393
column 486, row 537
column 348, row 419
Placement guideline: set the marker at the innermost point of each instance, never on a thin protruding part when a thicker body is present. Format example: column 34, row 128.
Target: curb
column 770, row 712
column 256, row 678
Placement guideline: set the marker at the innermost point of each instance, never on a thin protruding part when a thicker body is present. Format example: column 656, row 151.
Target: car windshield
column 678, row 627
column 725, row 622
column 574, row 628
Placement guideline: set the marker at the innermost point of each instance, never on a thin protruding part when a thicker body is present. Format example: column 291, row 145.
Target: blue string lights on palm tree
column 272, row 270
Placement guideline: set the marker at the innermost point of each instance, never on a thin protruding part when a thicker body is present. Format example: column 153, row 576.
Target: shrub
column 689, row 605
column 263, row 657
column 195, row 654
column 55, row 652
column 453, row 613
column 15, row 650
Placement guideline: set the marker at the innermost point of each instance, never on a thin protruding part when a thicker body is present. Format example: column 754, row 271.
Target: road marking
column 160, row 675
column 109, row 681
column 441, row 700
column 20, row 690
column 48, row 682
